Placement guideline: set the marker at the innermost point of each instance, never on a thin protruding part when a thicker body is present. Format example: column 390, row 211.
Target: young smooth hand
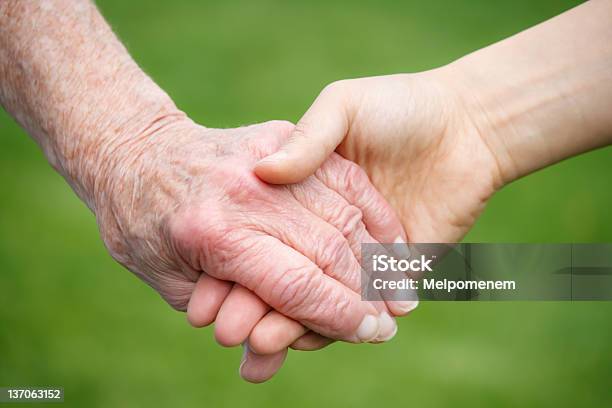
column 438, row 144
column 414, row 136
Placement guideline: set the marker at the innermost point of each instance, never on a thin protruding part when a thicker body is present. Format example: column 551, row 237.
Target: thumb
column 315, row 137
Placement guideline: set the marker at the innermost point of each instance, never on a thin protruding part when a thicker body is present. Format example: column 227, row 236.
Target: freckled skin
column 174, row 199
column 70, row 83
column 188, row 201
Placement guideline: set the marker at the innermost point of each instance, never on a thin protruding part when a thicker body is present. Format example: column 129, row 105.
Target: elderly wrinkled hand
column 185, row 200
column 179, row 204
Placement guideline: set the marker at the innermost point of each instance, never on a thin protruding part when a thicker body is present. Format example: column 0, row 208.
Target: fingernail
column 388, row 327
column 406, row 306
column 401, row 248
column 392, row 335
column 245, row 348
column 276, row 157
column 368, row 329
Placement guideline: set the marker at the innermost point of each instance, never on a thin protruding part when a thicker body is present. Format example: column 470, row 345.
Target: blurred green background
column 71, row 317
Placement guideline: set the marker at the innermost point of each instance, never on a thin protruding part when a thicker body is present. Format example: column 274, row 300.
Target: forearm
column 72, row 85
column 546, row 93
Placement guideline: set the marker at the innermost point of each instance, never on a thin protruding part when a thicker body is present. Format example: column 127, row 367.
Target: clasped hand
column 278, row 265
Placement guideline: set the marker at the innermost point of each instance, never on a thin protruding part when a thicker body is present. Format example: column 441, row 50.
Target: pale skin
column 178, row 204
column 439, row 144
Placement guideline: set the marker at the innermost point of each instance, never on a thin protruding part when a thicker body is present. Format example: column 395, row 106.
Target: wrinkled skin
column 189, row 203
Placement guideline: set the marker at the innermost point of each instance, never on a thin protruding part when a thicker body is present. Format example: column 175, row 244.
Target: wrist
column 113, row 126
column 469, row 115
column 117, row 159
column 94, row 100
column 532, row 101
column 123, row 179
column 493, row 111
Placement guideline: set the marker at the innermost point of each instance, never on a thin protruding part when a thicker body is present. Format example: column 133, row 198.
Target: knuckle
column 215, row 222
column 245, row 254
column 265, row 341
column 203, row 236
column 355, row 178
column 339, row 311
column 356, row 182
column 189, row 228
column 382, row 215
column 296, row 291
column 334, row 248
column 330, row 310
column 336, row 259
column 347, row 219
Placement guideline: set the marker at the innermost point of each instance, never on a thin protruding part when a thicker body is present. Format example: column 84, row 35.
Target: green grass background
column 71, row 317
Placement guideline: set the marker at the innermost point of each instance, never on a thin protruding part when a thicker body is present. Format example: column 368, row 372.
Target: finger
column 292, row 284
column 274, row 333
column 257, row 368
column 283, row 277
column 326, row 246
column 312, row 236
column 239, row 313
column 350, row 181
column 381, row 221
column 311, row 341
column 206, row 300
column 333, row 208
column 315, row 136
column 399, row 301
column 346, row 218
